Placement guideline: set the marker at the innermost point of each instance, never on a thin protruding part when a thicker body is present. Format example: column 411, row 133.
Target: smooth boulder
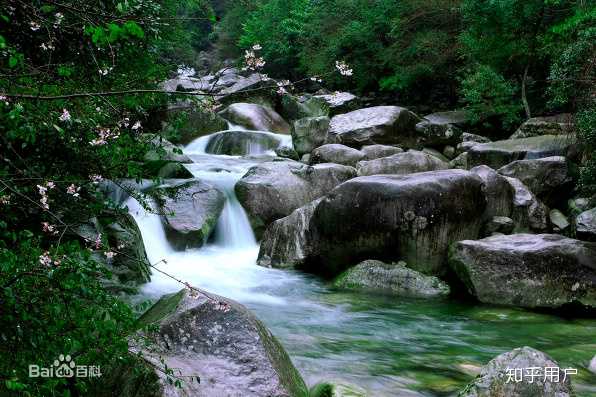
column 397, row 217
column 372, row 152
column 519, row 373
column 380, row 124
column 336, row 153
column 585, row 225
column 499, row 153
column 255, row 117
column 190, row 212
column 528, row 213
column 222, row 343
column 527, row 270
column 392, row 279
column 404, row 163
column 339, row 102
column 548, row 178
column 309, row 133
column 241, row 143
column 287, row 242
column 272, row 190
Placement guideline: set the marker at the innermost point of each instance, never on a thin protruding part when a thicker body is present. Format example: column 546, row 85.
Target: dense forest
column 83, row 106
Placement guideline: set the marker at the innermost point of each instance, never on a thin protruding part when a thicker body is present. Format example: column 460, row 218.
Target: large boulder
column 205, row 336
column 286, row 243
column 401, row 164
column 163, row 151
column 380, row 124
column 336, row 153
column 528, row 213
column 549, row 125
column 527, row 270
column 372, row 152
column 411, row 217
column 499, row 153
column 241, row 143
column 309, row 133
column 339, row 102
column 498, row 191
column 184, row 121
column 437, row 133
column 255, row 117
column 190, row 211
column 548, row 178
column 392, row 279
column 520, row 373
column 272, row 190
column 585, row 225
column 255, row 88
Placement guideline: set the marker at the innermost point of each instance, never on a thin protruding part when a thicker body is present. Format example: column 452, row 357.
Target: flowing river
column 384, row 346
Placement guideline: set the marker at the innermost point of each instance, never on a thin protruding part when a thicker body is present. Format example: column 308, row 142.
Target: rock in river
column 241, row 143
column 495, row 379
column 222, row 343
column 336, row 153
column 380, row 124
column 272, row 190
column 411, row 217
column 392, row 279
column 586, row 225
column 527, row 270
column 255, row 117
column 309, row 133
column 190, row 212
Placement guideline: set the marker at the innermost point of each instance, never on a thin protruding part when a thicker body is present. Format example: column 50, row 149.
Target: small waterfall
column 154, row 236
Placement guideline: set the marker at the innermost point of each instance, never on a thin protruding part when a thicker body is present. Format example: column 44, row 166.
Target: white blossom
column 343, row 68
column 65, row 116
column 34, row 26
column 73, row 190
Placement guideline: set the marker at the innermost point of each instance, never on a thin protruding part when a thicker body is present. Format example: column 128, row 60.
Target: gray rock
column 470, row 140
column 241, row 143
column 184, row 121
column 255, row 117
column 500, row 225
column 498, row 191
column 372, row 152
column 295, row 108
column 404, row 163
column 592, row 365
column 550, row 125
column 437, row 134
column 435, row 153
column 585, row 225
column 309, row 133
column 255, row 88
column 380, row 124
column 190, row 211
column 174, row 171
column 527, row 270
column 548, row 178
column 411, row 217
column 287, row 152
column 287, row 241
column 493, row 378
column 221, row 342
column 558, row 220
column 458, row 118
column 449, row 152
column 272, row 190
column 340, row 102
column 393, row 279
column 336, row 153
column 499, row 153
column 579, row 204
column 529, row 214
column 460, row 162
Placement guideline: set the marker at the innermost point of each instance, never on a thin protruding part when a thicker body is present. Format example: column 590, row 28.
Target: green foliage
column 54, row 151
column 486, row 93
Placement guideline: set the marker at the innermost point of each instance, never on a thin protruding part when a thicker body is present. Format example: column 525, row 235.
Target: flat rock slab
column 527, row 270
column 499, row 153
column 404, row 163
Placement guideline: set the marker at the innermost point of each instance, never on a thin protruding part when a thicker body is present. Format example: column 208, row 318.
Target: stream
column 384, row 346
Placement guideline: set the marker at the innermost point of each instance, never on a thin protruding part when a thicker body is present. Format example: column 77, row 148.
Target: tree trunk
column 524, row 97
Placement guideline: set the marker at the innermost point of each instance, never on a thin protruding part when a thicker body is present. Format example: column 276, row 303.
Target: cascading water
column 386, row 346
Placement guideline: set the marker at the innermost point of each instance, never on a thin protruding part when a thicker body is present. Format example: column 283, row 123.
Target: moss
column 321, row 390
column 166, row 305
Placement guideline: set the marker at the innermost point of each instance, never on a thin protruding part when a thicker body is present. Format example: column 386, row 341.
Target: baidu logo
column 64, row 367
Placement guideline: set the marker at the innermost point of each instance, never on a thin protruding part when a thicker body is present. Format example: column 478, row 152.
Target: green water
column 403, row 347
